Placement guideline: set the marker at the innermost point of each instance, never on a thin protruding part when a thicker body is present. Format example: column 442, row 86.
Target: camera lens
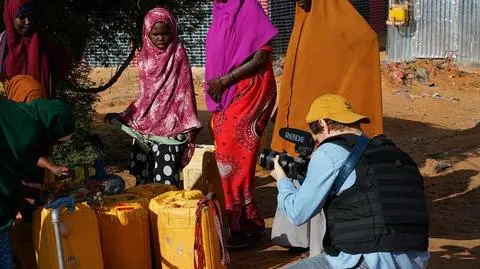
column 262, row 158
column 266, row 159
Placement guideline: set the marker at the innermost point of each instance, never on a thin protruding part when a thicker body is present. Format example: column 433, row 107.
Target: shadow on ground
column 263, row 255
column 455, row 257
column 424, row 141
column 454, row 210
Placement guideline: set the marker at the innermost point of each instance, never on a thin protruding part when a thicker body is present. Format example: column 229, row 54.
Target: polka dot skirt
column 160, row 165
column 6, row 259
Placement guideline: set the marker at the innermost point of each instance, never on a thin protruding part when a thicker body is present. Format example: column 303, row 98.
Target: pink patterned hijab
column 166, row 103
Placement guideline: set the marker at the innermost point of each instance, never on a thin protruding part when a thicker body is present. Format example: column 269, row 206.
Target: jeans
column 320, row 262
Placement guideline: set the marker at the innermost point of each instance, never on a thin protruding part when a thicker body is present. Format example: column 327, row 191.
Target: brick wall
column 378, row 10
column 362, row 7
column 281, row 13
column 96, row 51
column 377, row 14
column 195, row 42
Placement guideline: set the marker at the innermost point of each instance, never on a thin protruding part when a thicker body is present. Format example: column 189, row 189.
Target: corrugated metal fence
column 469, row 34
column 438, row 29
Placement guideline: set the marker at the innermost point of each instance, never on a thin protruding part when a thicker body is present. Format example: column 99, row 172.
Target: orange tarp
column 332, row 50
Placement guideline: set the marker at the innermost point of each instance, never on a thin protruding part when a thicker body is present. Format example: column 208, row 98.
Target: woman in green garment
column 26, row 130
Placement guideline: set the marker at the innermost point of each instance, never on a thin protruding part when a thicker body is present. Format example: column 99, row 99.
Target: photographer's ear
column 325, row 127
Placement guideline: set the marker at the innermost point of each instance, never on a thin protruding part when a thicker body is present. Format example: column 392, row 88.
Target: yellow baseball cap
column 333, row 107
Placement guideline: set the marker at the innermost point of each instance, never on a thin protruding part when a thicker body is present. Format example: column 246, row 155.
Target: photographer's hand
column 277, row 172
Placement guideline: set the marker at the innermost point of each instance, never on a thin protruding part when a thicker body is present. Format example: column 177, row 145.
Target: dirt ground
column 431, row 110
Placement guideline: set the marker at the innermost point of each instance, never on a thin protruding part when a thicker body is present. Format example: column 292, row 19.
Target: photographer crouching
column 371, row 192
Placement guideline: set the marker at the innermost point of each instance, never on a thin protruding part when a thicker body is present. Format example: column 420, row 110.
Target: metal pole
column 58, row 235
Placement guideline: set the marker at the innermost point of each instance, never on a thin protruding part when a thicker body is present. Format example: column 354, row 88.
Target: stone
column 421, row 74
column 436, row 166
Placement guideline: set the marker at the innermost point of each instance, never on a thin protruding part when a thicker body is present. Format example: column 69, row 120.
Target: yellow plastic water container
column 80, row 239
column 397, row 15
column 192, row 173
column 202, row 173
column 79, row 174
column 152, row 190
column 124, row 232
column 173, row 217
column 211, row 178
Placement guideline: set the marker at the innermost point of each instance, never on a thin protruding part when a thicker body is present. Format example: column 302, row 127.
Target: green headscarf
column 26, row 129
column 55, row 116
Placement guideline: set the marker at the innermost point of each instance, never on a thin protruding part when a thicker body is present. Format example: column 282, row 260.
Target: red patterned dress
column 237, row 132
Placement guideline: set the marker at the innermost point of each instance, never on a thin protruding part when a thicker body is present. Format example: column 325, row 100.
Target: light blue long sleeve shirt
column 300, row 205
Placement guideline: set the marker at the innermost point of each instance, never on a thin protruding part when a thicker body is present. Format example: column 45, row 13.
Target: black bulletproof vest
column 385, row 210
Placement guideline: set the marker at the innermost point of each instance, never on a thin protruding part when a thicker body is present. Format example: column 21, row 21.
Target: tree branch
column 117, row 74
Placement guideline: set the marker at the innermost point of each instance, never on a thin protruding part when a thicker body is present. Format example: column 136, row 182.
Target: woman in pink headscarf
column 241, row 94
column 165, row 106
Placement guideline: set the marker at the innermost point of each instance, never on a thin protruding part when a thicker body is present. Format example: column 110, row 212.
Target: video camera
column 295, row 168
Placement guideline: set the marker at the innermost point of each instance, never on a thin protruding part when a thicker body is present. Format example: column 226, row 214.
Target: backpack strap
column 349, row 165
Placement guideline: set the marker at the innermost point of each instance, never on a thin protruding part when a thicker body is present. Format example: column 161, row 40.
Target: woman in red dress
column 241, row 94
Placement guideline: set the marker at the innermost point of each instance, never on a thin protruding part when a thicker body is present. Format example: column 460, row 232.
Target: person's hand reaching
column 59, row 171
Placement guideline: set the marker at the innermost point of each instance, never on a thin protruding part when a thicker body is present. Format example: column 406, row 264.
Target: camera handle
column 347, row 168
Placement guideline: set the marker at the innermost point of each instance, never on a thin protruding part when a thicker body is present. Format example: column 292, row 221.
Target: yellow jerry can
column 192, row 173
column 124, row 232
column 211, row 178
column 202, row 173
column 173, row 217
column 80, row 239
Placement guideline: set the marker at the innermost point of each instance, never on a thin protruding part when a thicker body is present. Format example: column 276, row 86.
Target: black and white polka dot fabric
column 161, row 165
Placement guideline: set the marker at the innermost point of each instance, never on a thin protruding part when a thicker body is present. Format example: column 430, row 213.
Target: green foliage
column 79, row 151
column 75, row 25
